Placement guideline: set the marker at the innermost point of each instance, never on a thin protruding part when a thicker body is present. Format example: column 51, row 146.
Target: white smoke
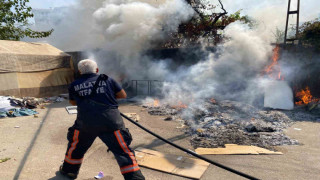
column 123, row 29
column 130, row 27
column 233, row 72
column 73, row 26
column 120, row 25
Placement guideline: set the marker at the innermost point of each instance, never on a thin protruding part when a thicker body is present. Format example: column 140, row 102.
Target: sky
column 308, row 6
column 45, row 4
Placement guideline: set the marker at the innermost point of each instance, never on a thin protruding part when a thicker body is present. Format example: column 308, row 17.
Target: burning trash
column 217, row 123
column 305, row 97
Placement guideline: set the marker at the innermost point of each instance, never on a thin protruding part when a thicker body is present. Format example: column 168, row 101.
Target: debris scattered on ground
column 236, row 149
column 26, row 102
column 162, row 110
column 133, row 116
column 17, row 127
column 180, row 127
column 313, row 105
column 17, row 112
column 5, row 103
column 99, row 176
column 4, row 160
column 65, row 96
column 56, row 99
column 168, row 118
column 173, row 164
column 14, row 107
column 298, row 129
column 216, row 123
column 9, row 102
column 72, row 109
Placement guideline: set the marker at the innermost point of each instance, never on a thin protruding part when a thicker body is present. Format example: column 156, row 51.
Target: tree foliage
column 205, row 25
column 14, row 23
column 309, row 33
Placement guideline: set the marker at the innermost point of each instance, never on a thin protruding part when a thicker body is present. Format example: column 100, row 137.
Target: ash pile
column 215, row 124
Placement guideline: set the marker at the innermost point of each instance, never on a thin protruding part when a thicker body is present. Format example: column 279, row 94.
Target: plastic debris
column 99, row 176
column 72, row 109
column 4, row 160
column 5, row 103
column 179, row 158
column 60, row 99
column 298, row 129
column 17, row 127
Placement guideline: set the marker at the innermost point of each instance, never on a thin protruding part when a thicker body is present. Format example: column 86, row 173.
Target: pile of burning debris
column 229, row 122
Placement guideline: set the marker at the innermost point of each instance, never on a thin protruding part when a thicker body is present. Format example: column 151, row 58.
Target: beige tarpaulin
column 33, row 69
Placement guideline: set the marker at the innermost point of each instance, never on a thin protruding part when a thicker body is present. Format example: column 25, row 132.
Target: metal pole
column 298, row 10
column 286, row 31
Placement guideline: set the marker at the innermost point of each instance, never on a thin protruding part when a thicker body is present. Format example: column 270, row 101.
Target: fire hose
column 190, row 152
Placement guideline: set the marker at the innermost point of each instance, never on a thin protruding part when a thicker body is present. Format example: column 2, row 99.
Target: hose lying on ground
column 188, row 151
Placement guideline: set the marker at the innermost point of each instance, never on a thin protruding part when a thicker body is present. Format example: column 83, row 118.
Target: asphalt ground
column 37, row 147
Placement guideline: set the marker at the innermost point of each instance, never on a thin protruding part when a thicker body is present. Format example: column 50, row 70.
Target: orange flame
column 180, row 105
column 274, row 67
column 305, row 97
column 156, row 103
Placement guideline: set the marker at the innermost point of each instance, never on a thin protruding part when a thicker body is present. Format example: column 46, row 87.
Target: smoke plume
column 130, row 27
column 233, row 72
column 116, row 33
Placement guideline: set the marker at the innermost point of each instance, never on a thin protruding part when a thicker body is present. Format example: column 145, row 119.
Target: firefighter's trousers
column 118, row 143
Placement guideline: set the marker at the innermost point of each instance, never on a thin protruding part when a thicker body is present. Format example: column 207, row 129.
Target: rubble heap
column 215, row 124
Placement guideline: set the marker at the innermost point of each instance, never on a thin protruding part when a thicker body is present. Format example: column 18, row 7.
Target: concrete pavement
column 37, row 149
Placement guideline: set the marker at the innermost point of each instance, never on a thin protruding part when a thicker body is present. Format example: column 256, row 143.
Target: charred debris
column 217, row 123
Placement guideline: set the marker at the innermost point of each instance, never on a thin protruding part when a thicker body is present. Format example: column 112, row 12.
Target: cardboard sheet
column 236, row 149
column 173, row 164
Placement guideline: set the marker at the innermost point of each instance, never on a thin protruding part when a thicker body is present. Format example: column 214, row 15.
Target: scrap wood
column 173, row 164
column 133, row 116
column 236, row 149
column 313, row 105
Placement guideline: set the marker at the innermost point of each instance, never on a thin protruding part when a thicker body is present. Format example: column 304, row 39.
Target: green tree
column 14, row 15
column 309, row 33
column 207, row 24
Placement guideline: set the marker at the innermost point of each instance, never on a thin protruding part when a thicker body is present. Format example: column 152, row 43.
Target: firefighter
column 98, row 116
